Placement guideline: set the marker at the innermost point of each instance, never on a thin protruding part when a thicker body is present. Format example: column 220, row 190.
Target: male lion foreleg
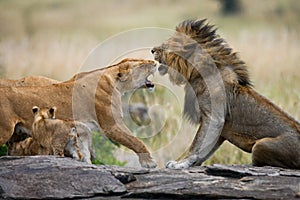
column 121, row 135
column 206, row 142
column 282, row 151
column 192, row 158
column 211, row 99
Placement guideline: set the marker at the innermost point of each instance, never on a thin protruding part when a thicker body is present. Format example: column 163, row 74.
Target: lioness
column 92, row 97
column 220, row 97
column 60, row 136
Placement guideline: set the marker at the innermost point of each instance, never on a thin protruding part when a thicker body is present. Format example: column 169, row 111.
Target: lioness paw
column 146, row 160
column 149, row 163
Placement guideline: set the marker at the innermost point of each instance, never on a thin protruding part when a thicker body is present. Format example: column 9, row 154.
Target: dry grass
column 273, row 60
column 53, row 38
column 57, row 58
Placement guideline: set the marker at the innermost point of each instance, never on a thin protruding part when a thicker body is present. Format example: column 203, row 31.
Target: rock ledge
column 51, row 177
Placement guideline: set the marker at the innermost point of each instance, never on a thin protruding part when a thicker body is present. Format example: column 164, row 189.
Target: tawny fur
column 72, row 148
column 60, row 136
column 27, row 147
column 248, row 120
column 27, row 81
column 89, row 97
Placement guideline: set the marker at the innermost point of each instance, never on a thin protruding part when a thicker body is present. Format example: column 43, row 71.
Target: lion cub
column 27, row 147
column 61, row 137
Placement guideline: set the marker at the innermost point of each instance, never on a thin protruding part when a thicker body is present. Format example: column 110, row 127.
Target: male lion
column 220, row 97
column 61, row 136
column 91, row 97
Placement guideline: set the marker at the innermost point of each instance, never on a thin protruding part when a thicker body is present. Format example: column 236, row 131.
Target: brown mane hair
column 216, row 47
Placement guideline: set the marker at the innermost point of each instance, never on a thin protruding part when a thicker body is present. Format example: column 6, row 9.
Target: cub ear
column 35, row 109
column 52, row 111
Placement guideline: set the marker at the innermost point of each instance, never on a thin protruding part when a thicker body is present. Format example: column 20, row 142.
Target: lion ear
column 190, row 49
column 191, row 46
column 122, row 76
column 35, row 109
column 52, row 111
column 119, row 75
column 124, row 72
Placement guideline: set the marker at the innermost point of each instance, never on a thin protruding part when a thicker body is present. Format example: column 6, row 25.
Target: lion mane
column 216, row 47
column 215, row 52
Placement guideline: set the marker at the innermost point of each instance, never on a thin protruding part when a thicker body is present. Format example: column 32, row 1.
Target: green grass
column 3, row 150
column 104, row 150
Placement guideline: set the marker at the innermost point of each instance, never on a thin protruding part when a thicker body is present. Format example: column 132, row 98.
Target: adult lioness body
column 27, row 81
column 220, row 97
column 93, row 97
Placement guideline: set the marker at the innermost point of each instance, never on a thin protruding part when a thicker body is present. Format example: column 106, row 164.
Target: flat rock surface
column 50, row 177
column 44, row 177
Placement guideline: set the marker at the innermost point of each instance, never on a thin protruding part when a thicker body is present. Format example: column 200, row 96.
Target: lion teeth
column 150, row 77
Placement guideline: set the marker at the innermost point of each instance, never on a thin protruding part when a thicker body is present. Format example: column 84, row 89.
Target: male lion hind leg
column 282, row 151
column 193, row 158
column 121, row 135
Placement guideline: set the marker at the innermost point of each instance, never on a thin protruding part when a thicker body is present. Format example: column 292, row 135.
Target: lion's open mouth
column 149, row 83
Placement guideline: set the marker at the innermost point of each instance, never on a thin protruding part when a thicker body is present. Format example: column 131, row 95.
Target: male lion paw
column 147, row 161
column 172, row 164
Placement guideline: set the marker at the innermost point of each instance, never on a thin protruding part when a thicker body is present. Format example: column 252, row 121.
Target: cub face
column 44, row 113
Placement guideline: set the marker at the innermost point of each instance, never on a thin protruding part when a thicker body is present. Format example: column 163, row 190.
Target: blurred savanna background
column 53, row 38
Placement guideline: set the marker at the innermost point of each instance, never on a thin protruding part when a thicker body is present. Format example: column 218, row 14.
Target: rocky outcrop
column 50, row 177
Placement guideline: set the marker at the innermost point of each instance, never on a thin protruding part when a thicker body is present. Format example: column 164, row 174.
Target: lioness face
column 134, row 74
